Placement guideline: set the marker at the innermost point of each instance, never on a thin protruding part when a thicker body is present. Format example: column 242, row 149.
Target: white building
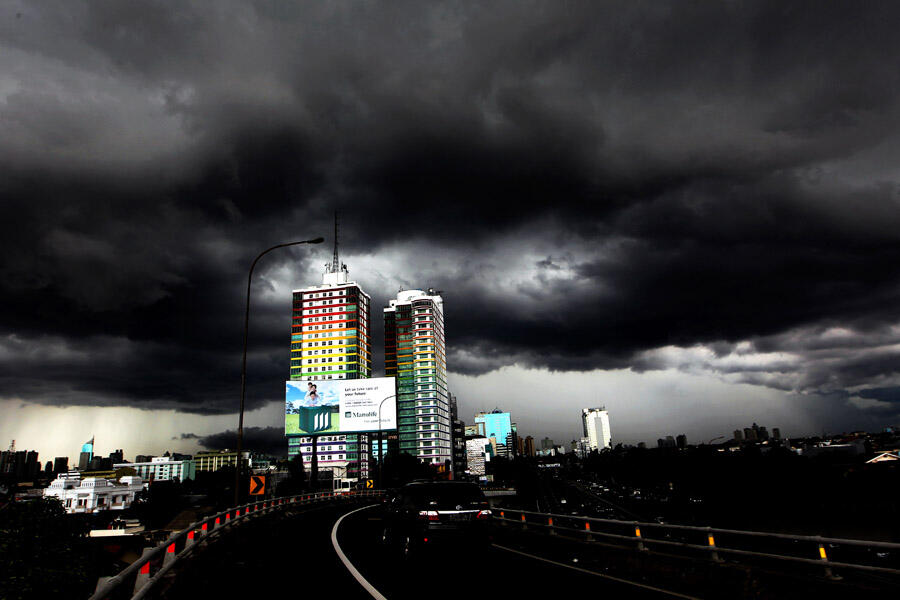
column 93, row 494
column 162, row 468
column 596, row 428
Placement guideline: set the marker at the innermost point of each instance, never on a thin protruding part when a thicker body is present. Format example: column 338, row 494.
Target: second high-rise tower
column 415, row 353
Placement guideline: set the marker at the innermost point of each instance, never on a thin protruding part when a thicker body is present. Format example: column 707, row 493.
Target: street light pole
column 380, row 445
column 240, row 440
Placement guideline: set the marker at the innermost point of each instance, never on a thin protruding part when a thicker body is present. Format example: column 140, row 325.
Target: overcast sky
column 687, row 212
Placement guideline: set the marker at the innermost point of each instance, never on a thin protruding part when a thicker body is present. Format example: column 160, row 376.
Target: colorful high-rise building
column 330, row 339
column 415, row 353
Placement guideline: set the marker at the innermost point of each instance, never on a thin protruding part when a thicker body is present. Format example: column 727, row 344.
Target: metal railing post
column 823, row 556
column 714, row 554
column 143, row 575
column 101, row 581
column 170, row 554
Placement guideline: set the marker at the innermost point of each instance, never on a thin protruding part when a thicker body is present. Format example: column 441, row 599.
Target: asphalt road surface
column 336, row 550
column 461, row 571
column 281, row 555
column 297, row 554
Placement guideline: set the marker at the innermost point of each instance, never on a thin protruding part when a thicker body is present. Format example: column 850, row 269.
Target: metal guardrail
column 819, row 550
column 148, row 570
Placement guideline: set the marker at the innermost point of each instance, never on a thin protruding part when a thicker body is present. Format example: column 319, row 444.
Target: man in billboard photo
column 311, row 410
column 312, row 395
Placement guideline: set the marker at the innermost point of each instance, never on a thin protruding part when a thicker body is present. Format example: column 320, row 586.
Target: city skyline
column 687, row 214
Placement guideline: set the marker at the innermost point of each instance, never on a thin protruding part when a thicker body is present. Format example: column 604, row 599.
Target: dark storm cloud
column 708, row 173
column 891, row 394
column 267, row 440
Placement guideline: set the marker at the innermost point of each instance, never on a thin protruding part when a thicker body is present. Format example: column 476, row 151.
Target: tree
column 158, row 504
column 44, row 553
column 125, row 472
column 295, row 482
column 400, row 468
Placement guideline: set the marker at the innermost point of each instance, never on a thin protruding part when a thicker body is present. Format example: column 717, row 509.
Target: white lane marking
column 353, row 571
column 559, row 564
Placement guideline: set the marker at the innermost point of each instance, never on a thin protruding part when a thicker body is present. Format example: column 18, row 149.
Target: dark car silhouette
column 437, row 513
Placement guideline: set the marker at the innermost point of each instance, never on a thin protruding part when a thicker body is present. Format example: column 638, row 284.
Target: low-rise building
column 92, row 494
column 215, row 460
column 163, row 468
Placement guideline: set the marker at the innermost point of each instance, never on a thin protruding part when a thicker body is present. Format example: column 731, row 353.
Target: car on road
column 436, row 513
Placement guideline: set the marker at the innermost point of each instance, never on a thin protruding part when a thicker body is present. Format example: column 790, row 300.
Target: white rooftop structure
column 93, row 494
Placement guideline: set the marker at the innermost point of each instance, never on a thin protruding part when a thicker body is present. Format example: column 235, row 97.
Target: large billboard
column 338, row 406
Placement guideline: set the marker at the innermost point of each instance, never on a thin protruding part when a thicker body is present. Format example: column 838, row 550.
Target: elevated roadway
column 332, row 545
column 304, row 553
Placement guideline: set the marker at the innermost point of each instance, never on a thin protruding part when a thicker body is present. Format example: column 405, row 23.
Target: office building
column 61, row 464
column 459, row 438
column 414, row 353
column 497, row 425
column 99, row 463
column 20, row 464
column 666, row 442
column 216, row 459
column 331, row 339
column 87, row 453
column 477, row 455
column 163, row 468
column 529, row 446
column 475, row 429
column 513, row 442
column 582, row 447
column 595, row 422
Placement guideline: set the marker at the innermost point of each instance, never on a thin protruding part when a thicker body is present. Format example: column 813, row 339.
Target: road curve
column 460, row 572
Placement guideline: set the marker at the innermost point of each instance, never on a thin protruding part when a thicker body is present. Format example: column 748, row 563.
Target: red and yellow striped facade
column 331, row 339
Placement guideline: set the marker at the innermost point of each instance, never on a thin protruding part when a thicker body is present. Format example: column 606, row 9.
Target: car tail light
column 483, row 514
column 429, row 515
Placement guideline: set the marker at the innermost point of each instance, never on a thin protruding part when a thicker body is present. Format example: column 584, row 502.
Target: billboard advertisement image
column 338, row 406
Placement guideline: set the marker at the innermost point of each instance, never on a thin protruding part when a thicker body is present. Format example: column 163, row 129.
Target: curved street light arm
column 380, row 448
column 240, row 440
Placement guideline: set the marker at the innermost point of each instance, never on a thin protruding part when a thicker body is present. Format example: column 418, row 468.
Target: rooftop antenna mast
column 335, row 262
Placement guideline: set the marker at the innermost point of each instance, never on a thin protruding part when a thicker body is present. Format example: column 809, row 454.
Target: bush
column 43, row 552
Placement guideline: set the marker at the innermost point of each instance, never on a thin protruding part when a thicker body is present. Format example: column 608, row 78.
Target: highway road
column 458, row 572
column 303, row 553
